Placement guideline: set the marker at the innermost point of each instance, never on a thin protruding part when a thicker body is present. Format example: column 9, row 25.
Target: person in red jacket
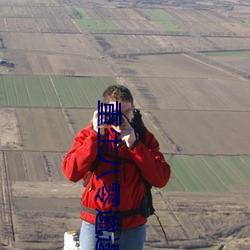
column 116, row 187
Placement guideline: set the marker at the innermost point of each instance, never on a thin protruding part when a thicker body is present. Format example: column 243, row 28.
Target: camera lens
column 116, row 120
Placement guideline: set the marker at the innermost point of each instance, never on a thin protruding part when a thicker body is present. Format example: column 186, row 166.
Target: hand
column 127, row 132
column 102, row 127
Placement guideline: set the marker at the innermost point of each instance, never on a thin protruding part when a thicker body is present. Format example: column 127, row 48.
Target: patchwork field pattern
column 162, row 20
column 66, row 53
column 54, row 54
column 55, row 91
column 216, row 132
column 111, row 20
column 160, row 84
column 55, row 44
column 209, row 173
column 237, row 59
column 23, row 166
column 39, row 130
column 32, row 17
column 213, row 23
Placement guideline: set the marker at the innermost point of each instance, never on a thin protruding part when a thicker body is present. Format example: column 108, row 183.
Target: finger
column 126, row 131
column 104, row 125
column 95, row 115
column 126, row 124
column 125, row 118
column 98, row 118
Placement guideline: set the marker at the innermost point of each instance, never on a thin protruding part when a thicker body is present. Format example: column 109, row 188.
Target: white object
column 71, row 240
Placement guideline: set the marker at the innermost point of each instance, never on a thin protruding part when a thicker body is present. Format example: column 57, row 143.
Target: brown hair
column 117, row 93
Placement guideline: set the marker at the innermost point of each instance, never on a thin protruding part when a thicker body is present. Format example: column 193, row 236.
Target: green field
column 55, row 91
column 79, row 13
column 189, row 173
column 87, row 23
column 156, row 15
column 226, row 53
column 161, row 19
column 92, row 25
column 208, row 173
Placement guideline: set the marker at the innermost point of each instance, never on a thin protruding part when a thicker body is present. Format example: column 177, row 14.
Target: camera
column 114, row 120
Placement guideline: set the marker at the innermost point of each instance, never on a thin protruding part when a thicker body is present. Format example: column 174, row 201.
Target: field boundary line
column 70, row 91
column 42, row 88
column 25, row 166
column 174, row 213
column 83, row 91
column 65, row 115
column 79, row 29
column 15, row 92
column 41, row 52
column 191, row 170
column 214, row 172
column 96, row 84
column 54, row 87
column 232, row 171
column 14, row 85
column 216, row 67
column 69, row 123
column 7, row 207
column 182, row 184
column 5, row 93
column 27, row 89
column 174, row 147
column 248, row 167
column 71, row 19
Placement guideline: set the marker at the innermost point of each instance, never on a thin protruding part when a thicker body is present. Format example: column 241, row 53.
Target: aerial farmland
column 187, row 64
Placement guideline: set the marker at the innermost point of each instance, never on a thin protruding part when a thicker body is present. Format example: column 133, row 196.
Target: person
column 140, row 160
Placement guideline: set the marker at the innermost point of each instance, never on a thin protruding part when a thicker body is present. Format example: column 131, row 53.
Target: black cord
column 162, row 227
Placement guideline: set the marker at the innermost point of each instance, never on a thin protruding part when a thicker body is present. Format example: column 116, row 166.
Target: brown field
column 194, row 104
column 216, row 132
column 169, row 66
column 230, row 44
column 235, row 60
column 68, row 65
column 198, row 97
column 10, row 135
column 34, row 166
column 39, row 130
column 143, row 44
column 184, row 219
column 52, row 44
column 48, row 24
column 209, row 22
column 192, row 94
column 54, row 54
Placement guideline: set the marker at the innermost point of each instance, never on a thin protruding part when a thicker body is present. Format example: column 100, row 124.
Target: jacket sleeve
column 78, row 160
column 151, row 161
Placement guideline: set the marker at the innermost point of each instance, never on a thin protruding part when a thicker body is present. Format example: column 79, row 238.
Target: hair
column 117, row 93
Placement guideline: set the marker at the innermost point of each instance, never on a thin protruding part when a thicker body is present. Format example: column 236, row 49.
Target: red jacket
column 149, row 163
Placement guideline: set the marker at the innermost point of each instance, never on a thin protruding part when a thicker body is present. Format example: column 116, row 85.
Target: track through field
column 7, row 228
